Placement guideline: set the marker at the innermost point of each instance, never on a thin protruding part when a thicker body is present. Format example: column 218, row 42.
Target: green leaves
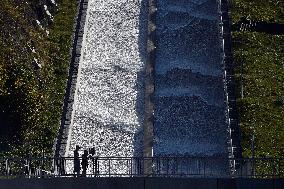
column 259, row 60
column 260, row 10
column 33, row 97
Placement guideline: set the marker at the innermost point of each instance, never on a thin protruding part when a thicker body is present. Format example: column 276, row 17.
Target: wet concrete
column 189, row 95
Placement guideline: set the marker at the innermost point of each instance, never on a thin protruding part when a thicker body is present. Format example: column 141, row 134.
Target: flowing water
column 189, row 94
column 109, row 102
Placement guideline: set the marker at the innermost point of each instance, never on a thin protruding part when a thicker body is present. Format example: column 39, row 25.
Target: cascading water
column 109, row 102
column 189, row 116
column 189, row 96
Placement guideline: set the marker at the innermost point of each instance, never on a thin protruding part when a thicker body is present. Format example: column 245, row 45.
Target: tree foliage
column 259, row 61
column 33, row 75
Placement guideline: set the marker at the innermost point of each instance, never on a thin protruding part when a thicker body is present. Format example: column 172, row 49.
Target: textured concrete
column 149, row 90
column 189, row 95
column 74, row 183
column 109, row 101
column 190, row 106
column 179, row 183
column 229, row 86
column 75, row 52
column 255, row 183
column 108, row 110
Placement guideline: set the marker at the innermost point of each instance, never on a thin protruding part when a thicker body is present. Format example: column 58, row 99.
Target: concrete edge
column 229, row 81
column 62, row 140
column 149, row 88
column 78, row 76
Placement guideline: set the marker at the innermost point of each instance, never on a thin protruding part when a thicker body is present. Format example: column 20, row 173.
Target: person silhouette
column 76, row 161
column 84, row 163
column 94, row 159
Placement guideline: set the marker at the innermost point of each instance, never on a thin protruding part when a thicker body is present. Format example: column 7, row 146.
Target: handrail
column 213, row 167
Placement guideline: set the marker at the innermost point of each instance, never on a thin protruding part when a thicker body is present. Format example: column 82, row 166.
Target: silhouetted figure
column 62, row 166
column 84, row 163
column 94, row 160
column 76, row 161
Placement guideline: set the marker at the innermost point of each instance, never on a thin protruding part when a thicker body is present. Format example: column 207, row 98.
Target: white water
column 109, row 101
column 189, row 97
column 189, row 100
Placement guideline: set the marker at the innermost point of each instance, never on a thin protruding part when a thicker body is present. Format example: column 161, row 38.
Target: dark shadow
column 246, row 24
column 9, row 122
column 62, row 136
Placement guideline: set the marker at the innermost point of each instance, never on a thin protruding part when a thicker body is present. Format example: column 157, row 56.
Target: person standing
column 94, row 160
column 76, row 161
column 62, row 166
column 84, row 163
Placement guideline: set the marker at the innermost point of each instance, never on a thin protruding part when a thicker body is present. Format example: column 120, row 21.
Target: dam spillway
column 189, row 106
column 108, row 108
column 189, row 93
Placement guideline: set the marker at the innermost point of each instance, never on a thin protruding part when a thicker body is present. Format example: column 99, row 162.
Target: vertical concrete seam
column 229, row 82
column 149, row 88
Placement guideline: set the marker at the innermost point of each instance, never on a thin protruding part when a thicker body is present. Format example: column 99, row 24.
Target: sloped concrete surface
column 108, row 110
column 189, row 94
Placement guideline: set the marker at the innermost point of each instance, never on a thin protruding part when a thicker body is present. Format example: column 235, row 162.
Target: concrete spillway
column 189, row 106
column 108, row 112
column 189, row 95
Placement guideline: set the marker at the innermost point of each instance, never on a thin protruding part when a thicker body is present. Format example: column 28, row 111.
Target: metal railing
column 134, row 167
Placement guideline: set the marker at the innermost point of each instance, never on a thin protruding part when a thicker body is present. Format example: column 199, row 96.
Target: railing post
column 242, row 169
column 109, row 167
column 131, row 164
column 93, row 164
column 204, row 167
column 7, row 167
column 187, row 167
column 279, row 168
column 167, row 166
column 98, row 168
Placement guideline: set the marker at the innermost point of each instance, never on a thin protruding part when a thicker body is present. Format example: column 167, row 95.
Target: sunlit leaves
column 259, row 64
column 30, row 95
column 259, row 10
